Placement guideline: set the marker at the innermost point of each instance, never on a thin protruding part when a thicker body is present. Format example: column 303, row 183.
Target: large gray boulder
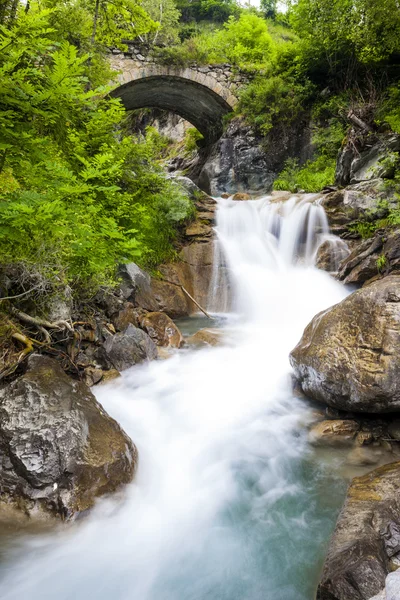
column 59, row 449
column 349, row 355
column 129, row 348
column 366, row 542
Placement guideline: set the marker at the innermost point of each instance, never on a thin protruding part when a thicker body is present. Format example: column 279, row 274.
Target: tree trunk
column 96, row 17
column 13, row 11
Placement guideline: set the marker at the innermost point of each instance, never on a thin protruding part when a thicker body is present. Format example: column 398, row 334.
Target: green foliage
column 339, row 36
column 273, row 100
column 78, row 194
column 389, row 111
column 244, row 41
column 192, row 138
column 166, row 15
column 381, row 262
column 312, row 177
column 217, row 11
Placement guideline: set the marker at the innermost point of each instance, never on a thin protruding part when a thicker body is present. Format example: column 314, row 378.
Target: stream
column 230, row 502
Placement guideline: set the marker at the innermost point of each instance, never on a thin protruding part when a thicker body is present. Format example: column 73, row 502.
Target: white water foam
column 224, row 506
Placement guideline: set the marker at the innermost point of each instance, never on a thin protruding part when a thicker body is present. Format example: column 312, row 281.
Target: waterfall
column 276, row 234
column 229, row 502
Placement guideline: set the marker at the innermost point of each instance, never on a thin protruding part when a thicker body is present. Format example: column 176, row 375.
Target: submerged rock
column 366, row 538
column 129, row 348
column 334, row 433
column 349, row 355
column 162, row 329
column 59, row 449
column 206, row 337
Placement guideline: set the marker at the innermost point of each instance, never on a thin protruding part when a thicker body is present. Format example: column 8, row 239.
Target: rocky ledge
column 365, row 547
column 59, row 449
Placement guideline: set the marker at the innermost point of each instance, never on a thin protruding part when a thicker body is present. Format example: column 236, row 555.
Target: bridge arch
column 196, row 96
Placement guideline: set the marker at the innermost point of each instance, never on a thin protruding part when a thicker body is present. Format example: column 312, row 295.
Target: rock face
column 366, row 539
column 334, row 433
column 348, row 356
column 206, row 337
column 193, row 271
column 59, row 449
column 367, row 200
column 354, row 167
column 239, row 163
column 162, row 329
column 373, row 256
column 129, row 348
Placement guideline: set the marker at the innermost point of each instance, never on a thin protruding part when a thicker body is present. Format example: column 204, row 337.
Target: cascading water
column 229, row 502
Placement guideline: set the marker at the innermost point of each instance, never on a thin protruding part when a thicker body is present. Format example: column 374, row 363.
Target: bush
column 312, row 177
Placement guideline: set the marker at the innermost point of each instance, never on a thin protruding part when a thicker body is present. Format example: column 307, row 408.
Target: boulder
column 241, row 196
column 330, row 254
column 59, row 449
column 206, row 337
column 129, row 348
column 136, row 286
column 161, row 329
column 170, row 298
column 366, row 538
column 334, row 433
column 348, row 356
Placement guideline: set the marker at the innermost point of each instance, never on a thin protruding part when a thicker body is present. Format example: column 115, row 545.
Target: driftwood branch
column 352, row 117
column 196, row 303
column 184, row 290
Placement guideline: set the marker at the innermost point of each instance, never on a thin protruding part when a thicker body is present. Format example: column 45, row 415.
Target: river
column 230, row 502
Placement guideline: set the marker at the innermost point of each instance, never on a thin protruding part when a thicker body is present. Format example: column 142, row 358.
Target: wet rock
column 363, row 438
column 334, row 433
column 394, row 429
column 330, row 254
column 241, row 196
column 136, row 287
column 206, row 337
column 170, row 299
column 127, row 316
column 110, row 375
column 363, row 457
column 357, row 562
column 129, row 348
column 348, row 356
column 59, row 449
column 393, row 586
column 362, row 264
column 199, row 229
column 162, row 329
column 92, row 376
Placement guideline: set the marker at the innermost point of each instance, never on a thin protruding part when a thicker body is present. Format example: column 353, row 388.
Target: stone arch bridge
column 200, row 94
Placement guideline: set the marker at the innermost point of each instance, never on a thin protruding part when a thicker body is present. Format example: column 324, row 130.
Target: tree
column 166, row 15
column 269, row 8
